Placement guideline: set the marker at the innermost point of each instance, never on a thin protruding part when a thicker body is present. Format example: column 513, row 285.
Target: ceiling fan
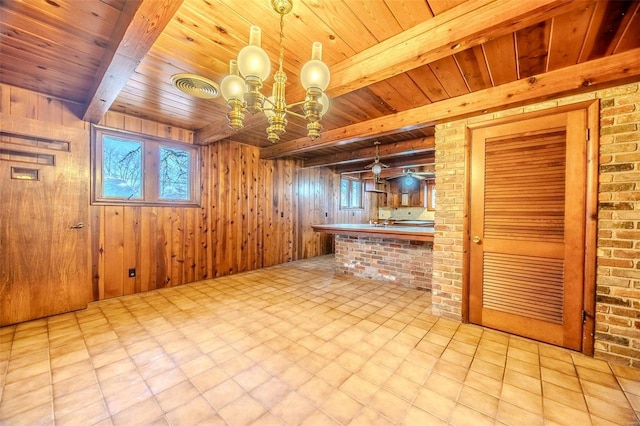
column 418, row 175
column 376, row 167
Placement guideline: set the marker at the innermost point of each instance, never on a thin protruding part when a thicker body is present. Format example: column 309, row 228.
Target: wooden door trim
column 591, row 227
column 533, row 114
column 592, row 108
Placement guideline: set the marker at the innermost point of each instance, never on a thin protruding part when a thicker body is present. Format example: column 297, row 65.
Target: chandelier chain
column 281, row 59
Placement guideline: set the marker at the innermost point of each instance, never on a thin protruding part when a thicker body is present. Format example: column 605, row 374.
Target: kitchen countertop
column 400, row 232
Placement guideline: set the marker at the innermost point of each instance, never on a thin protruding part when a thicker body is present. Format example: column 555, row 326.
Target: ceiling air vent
column 195, row 85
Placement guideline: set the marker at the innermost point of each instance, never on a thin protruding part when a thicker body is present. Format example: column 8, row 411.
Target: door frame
column 592, row 108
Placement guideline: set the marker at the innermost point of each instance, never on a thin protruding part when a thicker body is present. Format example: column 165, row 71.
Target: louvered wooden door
column 528, row 182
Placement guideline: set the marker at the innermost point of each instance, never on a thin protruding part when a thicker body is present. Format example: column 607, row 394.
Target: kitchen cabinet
column 371, row 186
column 406, row 192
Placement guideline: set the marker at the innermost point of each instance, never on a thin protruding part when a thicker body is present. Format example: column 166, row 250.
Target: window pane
column 355, row 193
column 121, row 168
column 344, row 193
column 175, row 164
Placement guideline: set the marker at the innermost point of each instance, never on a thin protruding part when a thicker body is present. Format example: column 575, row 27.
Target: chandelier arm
column 295, row 104
column 294, row 113
column 269, row 101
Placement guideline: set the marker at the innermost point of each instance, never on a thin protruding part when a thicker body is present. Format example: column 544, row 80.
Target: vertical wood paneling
column 254, row 213
column 131, row 253
column 190, row 246
column 234, row 224
column 159, row 242
column 176, row 219
column 261, row 197
column 269, row 241
column 318, row 194
column 203, row 265
column 163, row 247
column 147, row 273
column 224, row 246
column 113, row 251
column 253, row 197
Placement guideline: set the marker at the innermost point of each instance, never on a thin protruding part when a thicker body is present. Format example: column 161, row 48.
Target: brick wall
column 449, row 219
column 618, row 275
column 405, row 263
column 618, row 279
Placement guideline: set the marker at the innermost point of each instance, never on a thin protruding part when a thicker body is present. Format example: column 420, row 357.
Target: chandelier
column 241, row 88
column 376, row 166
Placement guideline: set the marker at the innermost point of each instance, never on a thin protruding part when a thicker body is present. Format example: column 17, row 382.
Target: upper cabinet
column 372, row 186
column 404, row 192
column 407, row 192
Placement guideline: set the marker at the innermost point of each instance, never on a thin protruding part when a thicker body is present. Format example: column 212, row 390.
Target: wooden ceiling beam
column 609, row 71
column 466, row 25
column 413, row 162
column 455, row 30
column 402, row 148
column 139, row 25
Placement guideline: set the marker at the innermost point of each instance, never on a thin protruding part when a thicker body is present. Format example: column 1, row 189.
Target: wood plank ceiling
column 390, row 60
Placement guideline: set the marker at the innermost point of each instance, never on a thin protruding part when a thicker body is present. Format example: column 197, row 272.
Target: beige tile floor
column 295, row 344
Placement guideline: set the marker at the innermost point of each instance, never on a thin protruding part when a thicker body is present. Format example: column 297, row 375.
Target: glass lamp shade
column 315, row 73
column 254, row 62
column 324, row 101
column 376, row 169
column 232, row 87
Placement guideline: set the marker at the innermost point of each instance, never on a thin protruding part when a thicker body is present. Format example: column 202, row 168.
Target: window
column 130, row 168
column 350, row 193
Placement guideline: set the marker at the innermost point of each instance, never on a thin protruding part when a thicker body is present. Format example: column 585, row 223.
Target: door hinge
column 588, row 134
column 585, row 315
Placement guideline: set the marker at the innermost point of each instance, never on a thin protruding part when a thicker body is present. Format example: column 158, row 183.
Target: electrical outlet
column 132, row 272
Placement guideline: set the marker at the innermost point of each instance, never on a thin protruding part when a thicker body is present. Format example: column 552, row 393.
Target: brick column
column 446, row 282
column 618, row 279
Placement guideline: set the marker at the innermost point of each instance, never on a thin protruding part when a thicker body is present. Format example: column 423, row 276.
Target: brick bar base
column 402, row 262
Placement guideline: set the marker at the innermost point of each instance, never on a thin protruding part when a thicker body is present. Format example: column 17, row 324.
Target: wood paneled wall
column 318, row 195
column 245, row 201
column 249, row 208
column 166, row 245
column 255, row 213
